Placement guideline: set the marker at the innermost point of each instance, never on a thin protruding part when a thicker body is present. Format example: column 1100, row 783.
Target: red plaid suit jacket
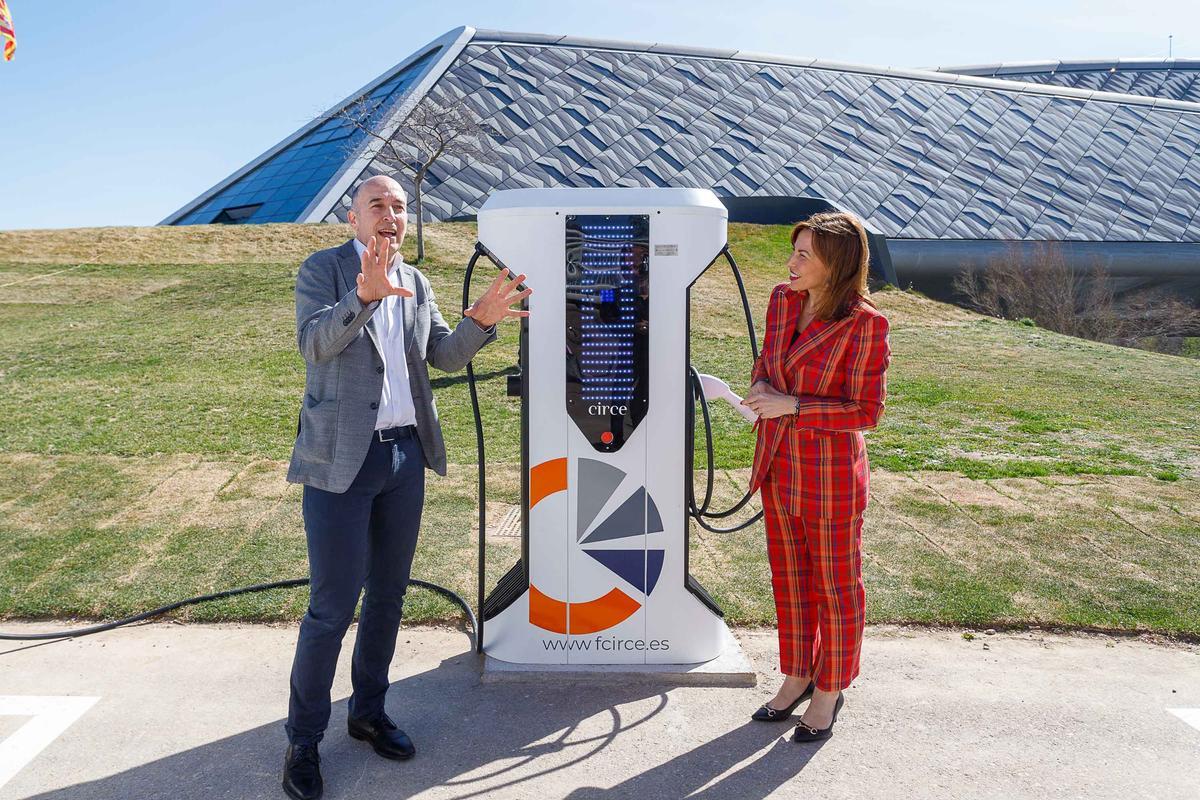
column 837, row 370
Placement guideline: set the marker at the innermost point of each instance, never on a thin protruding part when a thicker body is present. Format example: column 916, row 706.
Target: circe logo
column 600, row 410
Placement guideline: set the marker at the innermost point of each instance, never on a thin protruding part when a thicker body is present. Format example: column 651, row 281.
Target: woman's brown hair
column 840, row 241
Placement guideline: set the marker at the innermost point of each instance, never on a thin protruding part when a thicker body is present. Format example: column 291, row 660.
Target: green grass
column 149, row 384
column 207, row 365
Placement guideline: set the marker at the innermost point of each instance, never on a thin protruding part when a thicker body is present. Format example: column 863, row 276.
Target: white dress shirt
column 396, row 407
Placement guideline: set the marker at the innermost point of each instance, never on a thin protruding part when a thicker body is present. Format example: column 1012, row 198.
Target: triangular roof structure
column 919, row 154
column 300, row 178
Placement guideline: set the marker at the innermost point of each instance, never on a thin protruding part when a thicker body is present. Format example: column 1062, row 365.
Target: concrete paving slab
column 189, row 711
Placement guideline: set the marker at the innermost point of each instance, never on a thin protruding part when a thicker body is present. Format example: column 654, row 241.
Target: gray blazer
column 343, row 379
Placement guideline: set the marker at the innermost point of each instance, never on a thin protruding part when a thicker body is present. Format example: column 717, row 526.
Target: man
column 367, row 325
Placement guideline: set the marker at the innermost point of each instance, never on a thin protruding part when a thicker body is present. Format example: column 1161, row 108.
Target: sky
column 118, row 113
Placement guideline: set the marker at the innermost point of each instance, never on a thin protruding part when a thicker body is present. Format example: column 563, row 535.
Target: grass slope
column 150, row 381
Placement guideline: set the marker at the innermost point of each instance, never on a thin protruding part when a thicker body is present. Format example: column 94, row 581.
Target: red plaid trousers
column 816, row 575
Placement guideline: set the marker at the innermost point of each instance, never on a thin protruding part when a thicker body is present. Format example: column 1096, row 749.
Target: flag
column 7, row 34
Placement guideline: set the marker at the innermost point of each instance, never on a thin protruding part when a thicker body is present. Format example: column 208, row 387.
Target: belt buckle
column 379, row 435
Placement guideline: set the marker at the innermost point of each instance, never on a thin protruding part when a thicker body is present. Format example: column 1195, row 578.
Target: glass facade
column 285, row 184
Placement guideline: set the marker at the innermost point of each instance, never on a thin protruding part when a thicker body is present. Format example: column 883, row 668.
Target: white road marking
column 51, row 716
column 1189, row 715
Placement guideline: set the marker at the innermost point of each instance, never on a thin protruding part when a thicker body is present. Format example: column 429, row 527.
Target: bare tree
column 1160, row 321
column 1043, row 288
column 429, row 131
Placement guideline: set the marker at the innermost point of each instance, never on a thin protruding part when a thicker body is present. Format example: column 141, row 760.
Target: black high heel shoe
column 767, row 714
column 804, row 733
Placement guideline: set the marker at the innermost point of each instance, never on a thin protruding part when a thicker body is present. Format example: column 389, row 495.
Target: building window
column 236, row 215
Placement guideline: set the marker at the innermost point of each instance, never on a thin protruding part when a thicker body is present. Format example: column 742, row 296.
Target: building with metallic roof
column 954, row 166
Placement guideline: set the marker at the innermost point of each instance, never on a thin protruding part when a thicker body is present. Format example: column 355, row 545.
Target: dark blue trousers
column 362, row 538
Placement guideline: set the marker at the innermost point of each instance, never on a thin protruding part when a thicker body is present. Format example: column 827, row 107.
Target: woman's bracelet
column 796, row 407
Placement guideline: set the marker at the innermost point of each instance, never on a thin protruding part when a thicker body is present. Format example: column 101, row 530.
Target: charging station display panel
column 608, row 325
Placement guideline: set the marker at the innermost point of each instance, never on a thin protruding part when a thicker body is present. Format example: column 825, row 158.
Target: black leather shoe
column 804, row 733
column 302, row 772
column 388, row 740
column 767, row 714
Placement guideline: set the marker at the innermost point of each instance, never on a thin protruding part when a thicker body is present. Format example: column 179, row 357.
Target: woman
column 818, row 383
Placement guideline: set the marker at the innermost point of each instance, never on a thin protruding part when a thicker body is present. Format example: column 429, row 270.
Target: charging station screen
column 608, row 325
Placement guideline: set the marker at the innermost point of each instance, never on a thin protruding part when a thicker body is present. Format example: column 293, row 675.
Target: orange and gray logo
column 638, row 568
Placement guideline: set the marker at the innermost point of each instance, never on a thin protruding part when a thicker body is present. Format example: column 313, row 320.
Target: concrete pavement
column 191, row 711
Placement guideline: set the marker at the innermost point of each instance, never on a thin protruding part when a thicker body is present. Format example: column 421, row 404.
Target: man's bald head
column 378, row 208
column 373, row 185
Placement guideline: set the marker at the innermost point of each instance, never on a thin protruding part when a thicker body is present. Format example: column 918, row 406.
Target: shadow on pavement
column 685, row 775
column 474, row 739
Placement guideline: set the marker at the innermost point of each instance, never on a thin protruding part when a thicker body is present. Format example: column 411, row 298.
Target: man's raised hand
column 373, row 281
column 496, row 303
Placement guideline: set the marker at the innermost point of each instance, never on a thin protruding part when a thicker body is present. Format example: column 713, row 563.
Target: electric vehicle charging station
column 605, row 426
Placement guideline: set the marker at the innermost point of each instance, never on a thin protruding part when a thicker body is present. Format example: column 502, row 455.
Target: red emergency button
column 606, row 437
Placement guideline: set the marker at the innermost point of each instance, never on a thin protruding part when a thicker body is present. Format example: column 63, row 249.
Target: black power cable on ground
column 191, row 601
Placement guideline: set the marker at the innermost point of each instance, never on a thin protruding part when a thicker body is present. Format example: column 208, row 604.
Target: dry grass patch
column 908, row 309
column 207, row 244
column 717, row 308
column 46, row 493
column 192, row 493
column 965, row 493
column 58, row 289
column 907, row 514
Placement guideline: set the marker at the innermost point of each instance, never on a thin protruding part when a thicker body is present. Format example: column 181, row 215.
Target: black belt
column 392, row 434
